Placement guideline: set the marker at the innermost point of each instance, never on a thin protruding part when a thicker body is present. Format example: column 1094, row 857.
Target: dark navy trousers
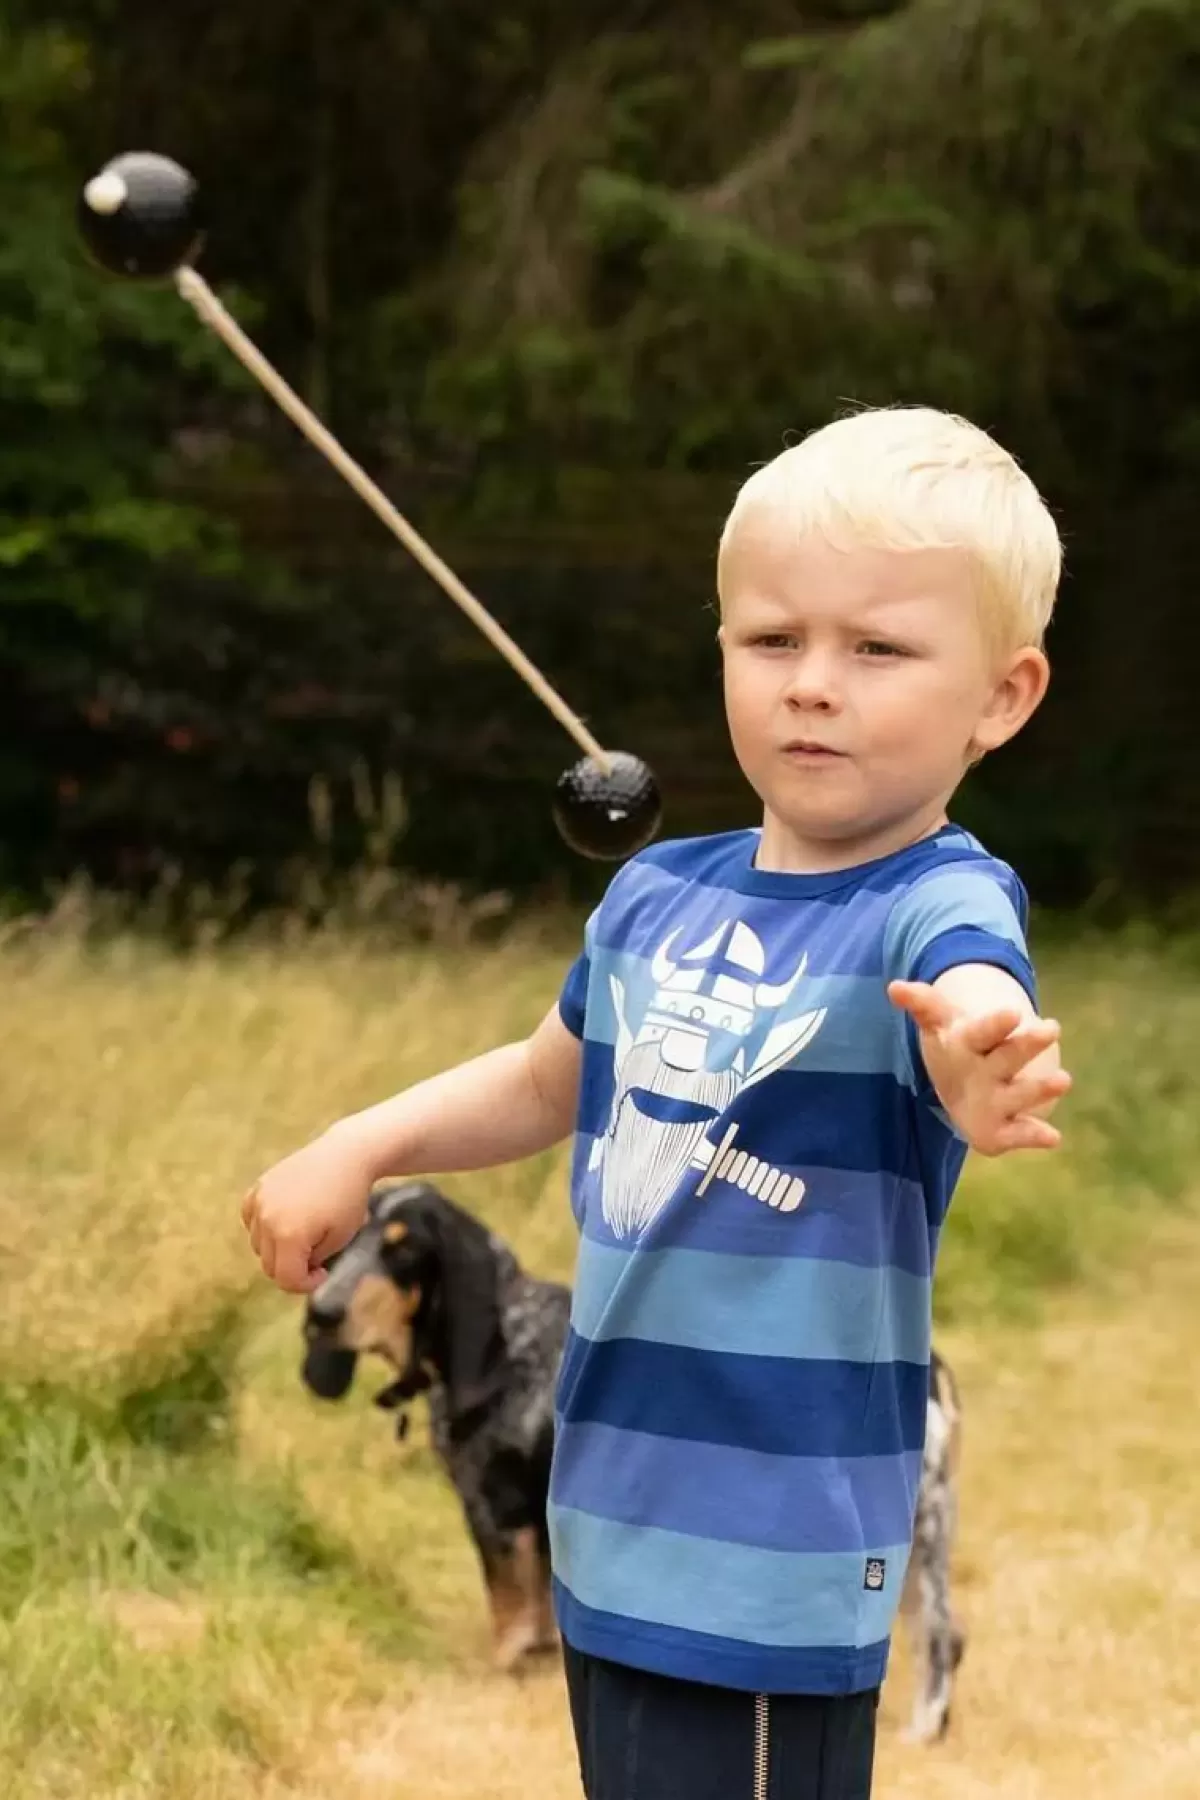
column 649, row 1737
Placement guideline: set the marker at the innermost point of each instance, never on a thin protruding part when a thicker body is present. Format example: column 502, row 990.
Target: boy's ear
column 1014, row 699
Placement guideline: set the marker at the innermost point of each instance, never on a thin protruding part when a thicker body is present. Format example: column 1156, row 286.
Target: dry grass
column 212, row 1586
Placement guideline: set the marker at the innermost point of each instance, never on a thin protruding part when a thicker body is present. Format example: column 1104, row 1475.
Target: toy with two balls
column 141, row 218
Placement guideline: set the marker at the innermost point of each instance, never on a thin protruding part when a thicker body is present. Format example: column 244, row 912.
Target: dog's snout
column 325, row 1310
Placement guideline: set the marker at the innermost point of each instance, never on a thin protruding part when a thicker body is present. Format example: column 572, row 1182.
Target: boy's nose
column 813, row 684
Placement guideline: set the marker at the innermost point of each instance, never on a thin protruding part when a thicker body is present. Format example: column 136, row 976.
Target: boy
column 774, row 1050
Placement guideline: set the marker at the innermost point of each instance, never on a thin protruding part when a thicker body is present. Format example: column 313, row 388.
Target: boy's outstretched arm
column 993, row 1062
column 497, row 1108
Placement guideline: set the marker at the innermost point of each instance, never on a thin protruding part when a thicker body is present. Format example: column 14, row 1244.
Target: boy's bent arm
column 497, row 1108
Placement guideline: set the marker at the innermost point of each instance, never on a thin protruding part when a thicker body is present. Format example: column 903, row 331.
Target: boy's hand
column 994, row 1063
column 304, row 1209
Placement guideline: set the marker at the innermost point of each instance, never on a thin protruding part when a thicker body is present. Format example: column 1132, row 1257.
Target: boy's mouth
column 808, row 750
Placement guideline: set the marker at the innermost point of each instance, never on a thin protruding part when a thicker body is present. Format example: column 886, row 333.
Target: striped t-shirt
column 761, row 1172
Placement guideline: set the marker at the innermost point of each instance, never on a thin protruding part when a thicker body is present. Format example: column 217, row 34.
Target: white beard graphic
column 644, row 1158
column 641, row 1159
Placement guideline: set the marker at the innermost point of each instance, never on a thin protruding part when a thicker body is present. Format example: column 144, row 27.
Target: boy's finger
column 1027, row 1133
column 990, row 1030
column 1022, row 1133
column 326, row 1247
column 1028, row 1041
column 250, row 1206
column 931, row 1010
column 292, row 1271
column 267, row 1252
column 1027, row 1092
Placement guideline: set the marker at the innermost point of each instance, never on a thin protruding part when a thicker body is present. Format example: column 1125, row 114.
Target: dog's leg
column 548, row 1638
column 515, row 1584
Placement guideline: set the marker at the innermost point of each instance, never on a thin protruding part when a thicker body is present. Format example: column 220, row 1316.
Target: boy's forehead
column 767, row 561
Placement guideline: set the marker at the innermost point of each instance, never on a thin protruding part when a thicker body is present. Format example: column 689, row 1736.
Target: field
column 212, row 1586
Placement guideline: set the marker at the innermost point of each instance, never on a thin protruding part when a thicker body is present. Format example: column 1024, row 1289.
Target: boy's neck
column 783, row 851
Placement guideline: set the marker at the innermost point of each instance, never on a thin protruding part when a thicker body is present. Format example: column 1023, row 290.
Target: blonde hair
column 909, row 477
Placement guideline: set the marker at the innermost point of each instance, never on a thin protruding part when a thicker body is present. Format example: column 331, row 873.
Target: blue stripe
column 944, row 901
column 859, row 1035
column 709, row 879
column 764, row 1597
column 719, row 1661
column 769, row 1403
column 837, row 1121
column 752, row 1305
column 737, row 1496
column 847, row 1217
column 966, row 945
column 649, row 902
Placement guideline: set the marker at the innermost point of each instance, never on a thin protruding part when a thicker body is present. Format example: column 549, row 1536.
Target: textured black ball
column 607, row 817
column 141, row 216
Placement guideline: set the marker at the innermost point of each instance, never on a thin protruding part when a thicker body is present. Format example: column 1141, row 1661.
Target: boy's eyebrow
column 864, row 608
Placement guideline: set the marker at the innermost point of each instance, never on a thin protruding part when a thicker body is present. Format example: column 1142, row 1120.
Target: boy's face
column 858, row 686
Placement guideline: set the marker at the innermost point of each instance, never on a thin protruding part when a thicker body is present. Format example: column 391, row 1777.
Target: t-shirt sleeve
column 572, row 1000
column 955, row 915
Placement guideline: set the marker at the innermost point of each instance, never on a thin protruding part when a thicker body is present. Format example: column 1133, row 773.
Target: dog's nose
column 325, row 1310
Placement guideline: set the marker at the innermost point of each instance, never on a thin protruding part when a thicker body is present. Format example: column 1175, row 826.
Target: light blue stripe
column 751, row 1305
column 717, row 1661
column 770, row 1597
column 946, row 902
column 861, row 1033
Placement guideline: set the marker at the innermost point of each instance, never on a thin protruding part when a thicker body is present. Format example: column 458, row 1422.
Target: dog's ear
column 469, row 1270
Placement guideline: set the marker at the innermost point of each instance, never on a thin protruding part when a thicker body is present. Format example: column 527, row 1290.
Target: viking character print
column 683, row 1066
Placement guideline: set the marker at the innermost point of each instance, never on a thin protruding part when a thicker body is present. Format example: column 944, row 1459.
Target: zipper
column 762, row 1744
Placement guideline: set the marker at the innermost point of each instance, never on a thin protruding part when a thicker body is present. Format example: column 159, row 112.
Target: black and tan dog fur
column 444, row 1300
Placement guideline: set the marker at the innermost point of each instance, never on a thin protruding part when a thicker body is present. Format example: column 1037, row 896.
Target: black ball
column 607, row 817
column 140, row 216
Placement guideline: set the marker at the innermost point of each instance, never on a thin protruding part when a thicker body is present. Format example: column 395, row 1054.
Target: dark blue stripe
column 842, row 920
column 717, row 1661
column 872, row 1221
column 781, row 1406
column 572, row 1000
column 736, row 1496
column 637, row 916
column 832, row 1120
column 968, row 944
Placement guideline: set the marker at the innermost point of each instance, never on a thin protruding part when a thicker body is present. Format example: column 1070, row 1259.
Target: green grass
column 1022, row 1226
column 202, row 1570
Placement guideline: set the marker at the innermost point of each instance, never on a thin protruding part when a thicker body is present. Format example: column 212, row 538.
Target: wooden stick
column 197, row 292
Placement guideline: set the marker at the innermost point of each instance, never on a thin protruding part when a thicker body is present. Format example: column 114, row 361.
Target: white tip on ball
column 106, row 193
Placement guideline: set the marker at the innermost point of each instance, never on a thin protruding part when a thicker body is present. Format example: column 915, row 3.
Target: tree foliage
column 560, row 276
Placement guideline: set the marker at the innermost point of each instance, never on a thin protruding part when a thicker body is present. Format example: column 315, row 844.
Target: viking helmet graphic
column 717, row 987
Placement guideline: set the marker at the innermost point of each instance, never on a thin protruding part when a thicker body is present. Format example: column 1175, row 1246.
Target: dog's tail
column 943, row 1391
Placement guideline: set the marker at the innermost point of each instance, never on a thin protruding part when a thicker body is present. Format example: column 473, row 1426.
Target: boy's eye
column 879, row 647
column 773, row 640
